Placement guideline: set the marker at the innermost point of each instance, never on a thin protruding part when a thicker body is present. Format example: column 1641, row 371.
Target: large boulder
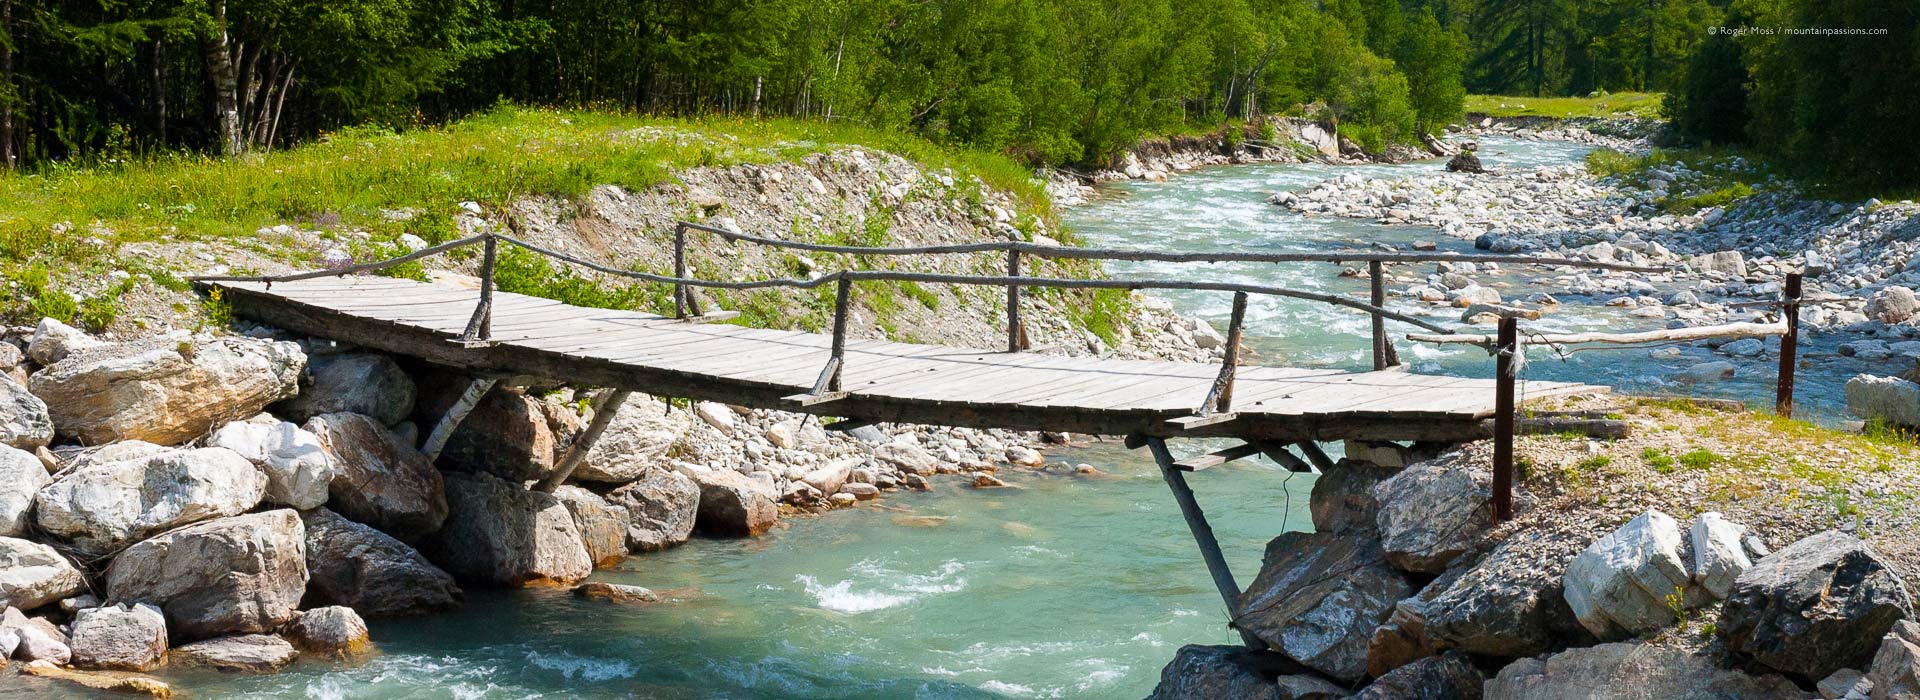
column 1632, row 671
column 1893, row 304
column 298, row 470
column 661, row 507
column 1223, row 673
column 368, row 570
column 1814, row 607
column 507, row 435
column 380, row 480
column 235, row 575
column 333, row 631
column 1726, row 262
column 733, row 504
column 53, row 341
column 501, row 533
column 1510, row 603
column 1433, row 511
column 125, row 637
column 36, row 638
column 102, row 507
column 1319, row 597
column 1433, row 678
column 1343, row 496
column 241, row 653
column 1896, row 666
column 602, row 525
column 636, row 441
column 167, row 390
column 908, row 458
column 365, row 383
column 34, row 574
column 1631, row 581
column 1889, row 399
column 21, row 476
column 24, row 420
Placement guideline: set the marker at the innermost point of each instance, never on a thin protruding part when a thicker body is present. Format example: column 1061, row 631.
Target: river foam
column 876, row 587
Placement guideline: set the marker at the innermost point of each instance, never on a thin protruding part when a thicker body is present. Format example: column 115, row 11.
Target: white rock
column 716, row 415
column 124, row 637
column 53, row 341
column 1889, row 399
column 24, row 420
column 298, row 470
column 1718, row 557
column 34, row 574
column 1619, row 586
column 103, row 507
column 21, row 476
column 1706, row 372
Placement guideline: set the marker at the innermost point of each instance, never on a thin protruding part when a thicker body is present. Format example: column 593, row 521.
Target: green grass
column 353, row 180
column 1700, row 459
column 1642, row 105
column 1727, row 175
column 1659, row 460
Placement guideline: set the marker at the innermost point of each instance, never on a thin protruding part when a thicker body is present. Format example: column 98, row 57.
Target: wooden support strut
column 604, row 407
column 1503, row 408
column 443, row 431
column 827, row 386
column 1789, row 346
column 1202, row 532
column 683, row 300
column 479, row 330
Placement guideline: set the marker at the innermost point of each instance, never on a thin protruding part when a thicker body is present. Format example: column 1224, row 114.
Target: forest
column 1047, row 81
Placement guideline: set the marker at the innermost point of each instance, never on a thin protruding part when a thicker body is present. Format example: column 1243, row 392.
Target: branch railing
column 1215, row 407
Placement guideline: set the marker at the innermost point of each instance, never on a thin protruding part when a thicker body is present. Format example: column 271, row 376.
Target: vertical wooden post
column 1202, row 532
column 1376, row 271
column 842, row 296
column 480, row 327
column 604, row 407
column 1220, row 398
column 1507, row 353
column 1789, row 346
column 1016, row 330
column 680, row 270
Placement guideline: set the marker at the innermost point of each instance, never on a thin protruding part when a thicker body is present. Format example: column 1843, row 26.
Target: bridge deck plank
column 885, row 380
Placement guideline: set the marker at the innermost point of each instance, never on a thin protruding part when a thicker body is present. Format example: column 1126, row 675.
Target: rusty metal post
column 1016, row 330
column 1220, row 398
column 1789, row 346
column 1508, row 353
column 680, row 270
column 480, row 327
column 1376, row 270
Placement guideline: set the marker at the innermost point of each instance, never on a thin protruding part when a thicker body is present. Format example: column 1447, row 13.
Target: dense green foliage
column 1574, row 47
column 1047, row 80
column 1839, row 106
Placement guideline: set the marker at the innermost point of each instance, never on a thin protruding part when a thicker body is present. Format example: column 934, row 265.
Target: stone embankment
column 242, row 501
column 1406, row 590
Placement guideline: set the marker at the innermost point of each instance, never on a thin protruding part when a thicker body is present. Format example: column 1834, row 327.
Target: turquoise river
column 1062, row 587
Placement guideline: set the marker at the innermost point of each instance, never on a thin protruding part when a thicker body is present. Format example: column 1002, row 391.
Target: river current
column 1061, row 587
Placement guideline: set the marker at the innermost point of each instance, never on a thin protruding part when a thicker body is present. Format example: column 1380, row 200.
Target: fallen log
column 1729, row 330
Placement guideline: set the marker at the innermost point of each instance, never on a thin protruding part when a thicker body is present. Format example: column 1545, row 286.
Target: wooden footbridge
column 1266, row 409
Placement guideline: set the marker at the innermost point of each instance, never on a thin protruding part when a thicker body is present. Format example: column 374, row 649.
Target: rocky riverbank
column 240, row 497
column 1709, row 555
column 1861, row 260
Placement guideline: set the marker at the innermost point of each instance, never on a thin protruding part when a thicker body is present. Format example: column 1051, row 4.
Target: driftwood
column 1730, row 330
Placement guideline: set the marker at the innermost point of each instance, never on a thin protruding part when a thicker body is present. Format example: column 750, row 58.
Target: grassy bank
column 66, row 222
column 1639, row 105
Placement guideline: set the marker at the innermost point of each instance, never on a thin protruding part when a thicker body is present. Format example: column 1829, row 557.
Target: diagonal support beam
column 443, row 431
column 1202, row 532
column 603, row 409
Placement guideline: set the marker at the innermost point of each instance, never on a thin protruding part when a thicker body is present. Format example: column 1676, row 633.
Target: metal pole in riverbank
column 1376, row 271
column 1504, row 361
column 1789, row 345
